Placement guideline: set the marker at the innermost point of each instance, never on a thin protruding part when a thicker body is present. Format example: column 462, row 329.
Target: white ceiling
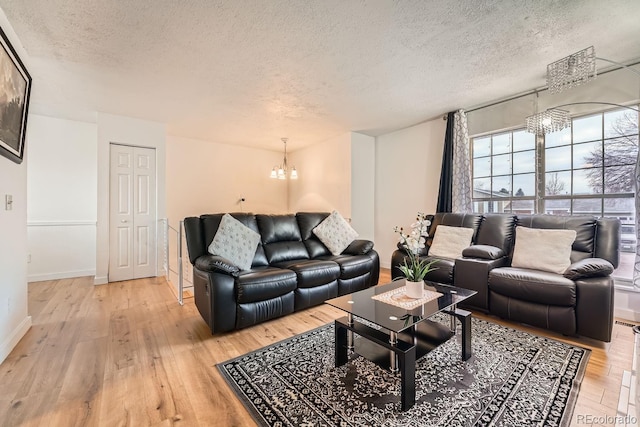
column 252, row 71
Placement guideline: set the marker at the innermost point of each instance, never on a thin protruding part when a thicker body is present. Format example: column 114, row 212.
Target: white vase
column 414, row 289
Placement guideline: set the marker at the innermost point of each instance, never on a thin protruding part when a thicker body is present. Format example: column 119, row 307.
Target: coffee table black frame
column 410, row 334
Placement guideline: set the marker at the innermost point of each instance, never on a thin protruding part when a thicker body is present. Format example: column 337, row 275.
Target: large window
column 586, row 169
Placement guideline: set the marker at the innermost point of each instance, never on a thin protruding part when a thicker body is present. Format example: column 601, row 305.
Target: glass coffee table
column 401, row 331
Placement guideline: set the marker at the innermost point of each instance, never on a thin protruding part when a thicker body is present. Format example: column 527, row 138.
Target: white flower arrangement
column 413, row 268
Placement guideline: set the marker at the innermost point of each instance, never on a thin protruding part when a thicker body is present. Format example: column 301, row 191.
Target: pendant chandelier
column 281, row 171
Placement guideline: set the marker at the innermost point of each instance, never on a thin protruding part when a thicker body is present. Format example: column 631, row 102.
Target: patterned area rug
column 513, row 379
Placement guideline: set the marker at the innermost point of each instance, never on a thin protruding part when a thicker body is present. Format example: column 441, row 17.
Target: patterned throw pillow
column 335, row 233
column 235, row 242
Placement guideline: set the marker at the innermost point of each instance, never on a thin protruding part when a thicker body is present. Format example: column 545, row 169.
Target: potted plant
column 413, row 268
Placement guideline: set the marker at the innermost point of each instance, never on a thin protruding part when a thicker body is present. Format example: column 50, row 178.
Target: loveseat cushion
column 263, row 283
column 307, row 221
column 312, row 272
column 281, row 238
column 534, row 286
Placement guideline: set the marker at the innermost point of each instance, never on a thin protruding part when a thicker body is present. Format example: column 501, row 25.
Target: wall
column 407, row 175
column 363, row 174
column 324, row 182
column 134, row 132
column 61, row 197
column 14, row 318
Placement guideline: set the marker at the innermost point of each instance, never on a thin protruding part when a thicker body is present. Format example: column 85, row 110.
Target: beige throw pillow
column 543, row 249
column 449, row 242
column 335, row 233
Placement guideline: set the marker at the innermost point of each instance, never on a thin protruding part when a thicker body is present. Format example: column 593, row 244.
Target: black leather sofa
column 579, row 302
column 291, row 270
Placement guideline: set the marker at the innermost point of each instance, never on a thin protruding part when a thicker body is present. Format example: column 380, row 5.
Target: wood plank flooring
column 127, row 354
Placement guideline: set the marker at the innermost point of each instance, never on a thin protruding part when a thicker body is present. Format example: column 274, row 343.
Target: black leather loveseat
column 578, row 302
column 291, row 270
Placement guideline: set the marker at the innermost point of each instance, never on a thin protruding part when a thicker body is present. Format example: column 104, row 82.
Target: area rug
column 513, row 379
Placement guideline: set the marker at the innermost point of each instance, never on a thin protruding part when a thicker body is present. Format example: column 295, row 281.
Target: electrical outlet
column 28, row 258
column 8, row 202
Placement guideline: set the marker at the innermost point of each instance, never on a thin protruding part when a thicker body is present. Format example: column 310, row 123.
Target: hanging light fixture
column 571, row 71
column 551, row 120
column 280, row 171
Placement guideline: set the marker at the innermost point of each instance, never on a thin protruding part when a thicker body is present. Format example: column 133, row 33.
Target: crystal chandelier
column 551, row 120
column 280, row 171
column 572, row 70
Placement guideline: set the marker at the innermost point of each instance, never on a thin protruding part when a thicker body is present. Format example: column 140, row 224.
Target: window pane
column 557, row 206
column 502, row 143
column 557, row 183
column 620, row 122
column 619, row 179
column 482, row 187
column 587, row 128
column 524, row 161
column 587, row 181
column 523, row 207
column 557, row 158
column 623, row 209
column 587, row 155
column 482, row 167
column 524, row 185
column 481, row 207
column 587, row 207
column 621, row 151
column 481, row 146
column 523, row 140
column 501, row 206
column 501, row 186
column 556, row 139
column 501, row 165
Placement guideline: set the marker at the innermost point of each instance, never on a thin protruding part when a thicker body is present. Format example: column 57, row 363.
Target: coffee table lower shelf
column 410, row 345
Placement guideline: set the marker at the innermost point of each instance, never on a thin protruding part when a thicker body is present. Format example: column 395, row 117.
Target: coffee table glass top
column 393, row 317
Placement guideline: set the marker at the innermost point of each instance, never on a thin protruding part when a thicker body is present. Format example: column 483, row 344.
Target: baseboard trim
column 625, row 313
column 100, row 280
column 15, row 337
column 60, row 275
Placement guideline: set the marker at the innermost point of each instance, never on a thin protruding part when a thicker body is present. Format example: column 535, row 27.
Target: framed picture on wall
column 15, row 89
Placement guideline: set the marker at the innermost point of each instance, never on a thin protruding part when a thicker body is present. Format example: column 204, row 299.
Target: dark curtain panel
column 446, row 176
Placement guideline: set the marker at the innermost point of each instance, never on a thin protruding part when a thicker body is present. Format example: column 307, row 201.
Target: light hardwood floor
column 127, row 354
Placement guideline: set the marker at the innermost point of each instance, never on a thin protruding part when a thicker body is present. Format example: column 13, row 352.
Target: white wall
column 407, row 175
column 324, row 182
column 61, row 197
column 363, row 173
column 134, row 132
column 14, row 318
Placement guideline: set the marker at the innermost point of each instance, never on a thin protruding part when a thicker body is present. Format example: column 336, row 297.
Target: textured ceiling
column 252, row 71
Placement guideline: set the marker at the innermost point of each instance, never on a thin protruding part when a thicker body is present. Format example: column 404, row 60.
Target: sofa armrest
column 483, row 252
column 216, row 264
column 594, row 307
column 589, row 267
column 473, row 273
column 358, row 247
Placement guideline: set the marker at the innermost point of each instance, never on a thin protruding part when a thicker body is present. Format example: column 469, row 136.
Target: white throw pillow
column 335, row 233
column 543, row 249
column 235, row 242
column 449, row 242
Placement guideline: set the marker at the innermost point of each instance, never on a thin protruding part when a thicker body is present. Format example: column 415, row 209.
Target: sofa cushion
column 335, row 233
column 449, row 242
column 281, row 238
column 535, row 286
column 351, row 265
column 263, row 283
column 235, row 242
column 307, row 221
column 312, row 272
column 443, row 270
column 543, row 249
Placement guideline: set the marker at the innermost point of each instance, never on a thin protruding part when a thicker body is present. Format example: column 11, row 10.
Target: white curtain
column 461, row 190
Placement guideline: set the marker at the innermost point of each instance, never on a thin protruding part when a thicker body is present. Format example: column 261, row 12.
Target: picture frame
column 15, row 91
